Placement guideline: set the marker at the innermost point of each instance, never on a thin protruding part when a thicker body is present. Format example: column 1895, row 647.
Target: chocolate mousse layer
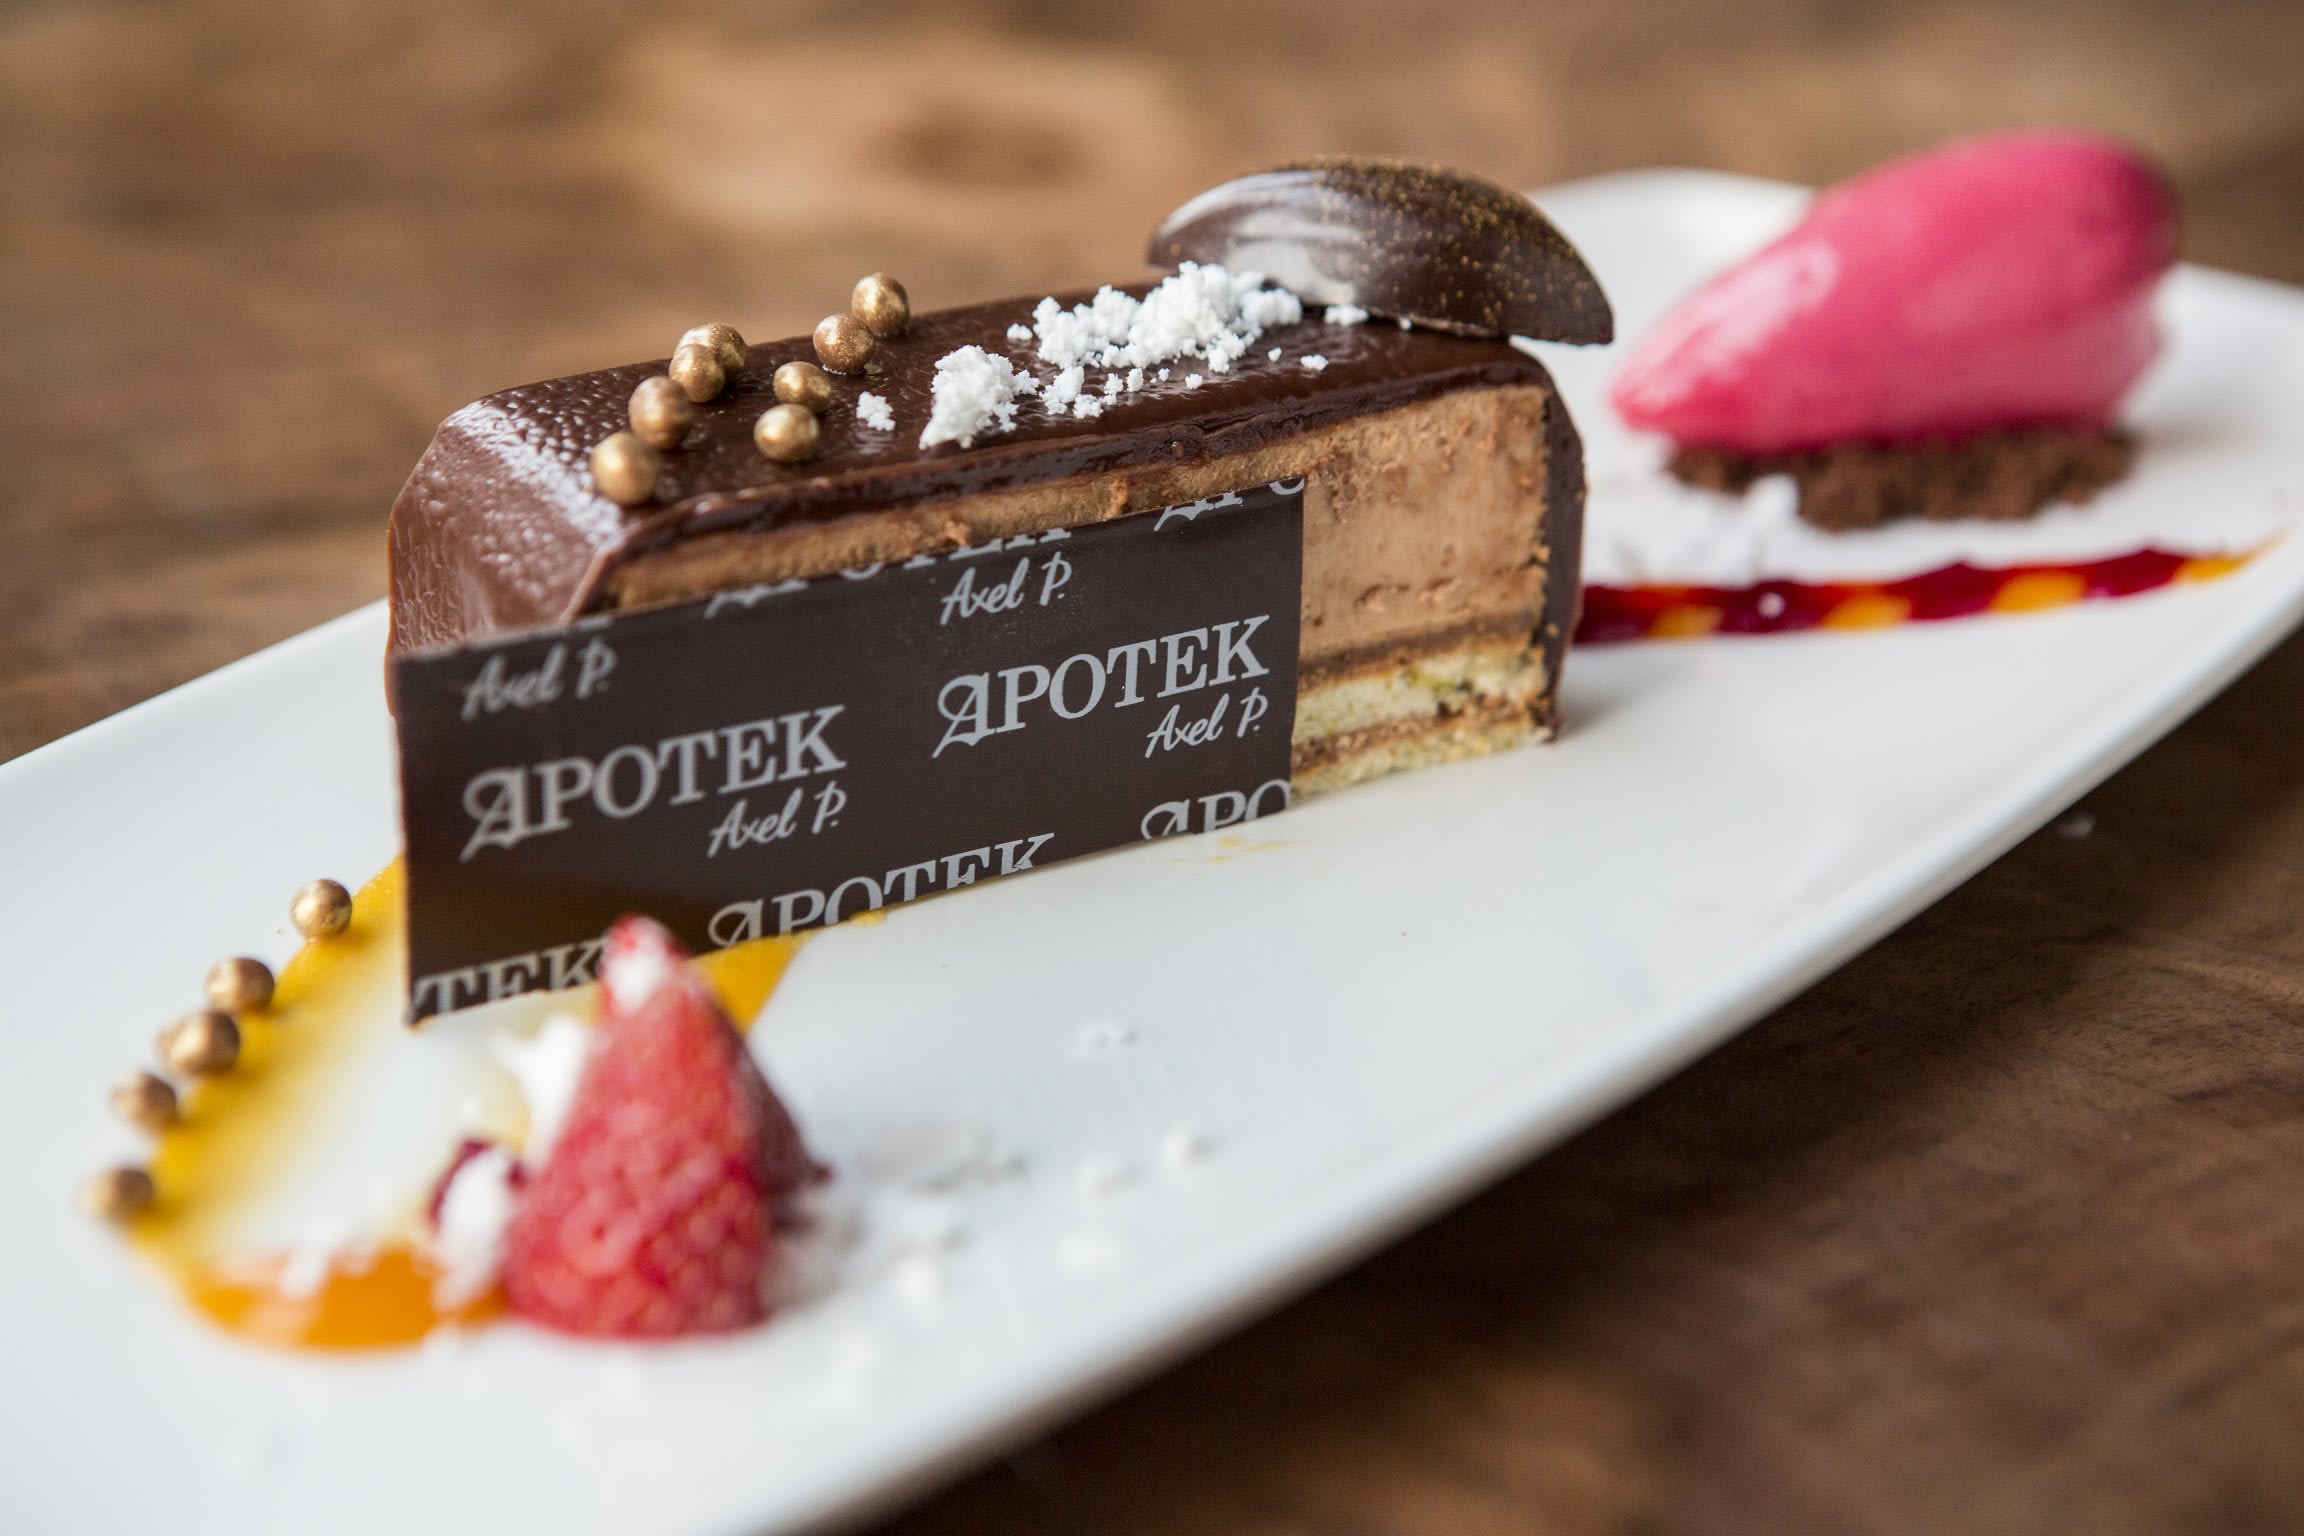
column 1443, row 504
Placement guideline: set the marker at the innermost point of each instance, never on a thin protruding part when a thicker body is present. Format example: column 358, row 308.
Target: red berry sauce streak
column 1949, row 592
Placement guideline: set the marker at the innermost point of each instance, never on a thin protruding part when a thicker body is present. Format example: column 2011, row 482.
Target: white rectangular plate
column 1361, row 1011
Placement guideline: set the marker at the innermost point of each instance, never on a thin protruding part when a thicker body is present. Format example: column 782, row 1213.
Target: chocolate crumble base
column 1996, row 476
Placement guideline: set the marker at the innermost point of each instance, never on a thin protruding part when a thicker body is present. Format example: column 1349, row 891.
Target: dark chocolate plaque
column 778, row 758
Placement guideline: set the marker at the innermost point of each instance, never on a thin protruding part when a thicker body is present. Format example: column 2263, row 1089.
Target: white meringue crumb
column 475, row 1209
column 311, row 1257
column 1200, row 311
column 872, row 411
column 547, row 1066
column 1314, row 362
column 1059, row 392
column 1346, row 314
column 974, row 393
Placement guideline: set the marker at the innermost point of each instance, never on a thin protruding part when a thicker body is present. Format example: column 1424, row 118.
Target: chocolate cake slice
column 1443, row 479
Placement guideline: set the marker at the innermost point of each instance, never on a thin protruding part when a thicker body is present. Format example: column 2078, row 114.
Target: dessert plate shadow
column 1088, row 1119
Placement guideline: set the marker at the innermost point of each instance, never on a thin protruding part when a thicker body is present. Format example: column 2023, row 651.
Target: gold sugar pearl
column 723, row 341
column 697, row 371
column 321, row 910
column 117, row 1194
column 661, row 412
column 787, row 433
column 145, row 1102
column 200, row 1044
column 625, row 469
column 881, row 303
column 804, row 385
column 843, row 343
column 240, row 985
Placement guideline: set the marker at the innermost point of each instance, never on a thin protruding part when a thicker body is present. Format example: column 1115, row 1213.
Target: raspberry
column 655, row 1213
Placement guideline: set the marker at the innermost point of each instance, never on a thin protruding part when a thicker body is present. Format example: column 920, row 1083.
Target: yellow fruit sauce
column 338, row 1004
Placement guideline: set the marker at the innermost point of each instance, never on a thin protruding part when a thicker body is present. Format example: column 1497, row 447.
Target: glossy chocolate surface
column 500, row 528
column 1399, row 239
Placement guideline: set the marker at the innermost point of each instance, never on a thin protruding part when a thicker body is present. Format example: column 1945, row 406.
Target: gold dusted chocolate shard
column 1398, row 238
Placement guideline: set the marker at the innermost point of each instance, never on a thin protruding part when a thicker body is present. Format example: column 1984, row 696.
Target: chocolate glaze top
column 500, row 528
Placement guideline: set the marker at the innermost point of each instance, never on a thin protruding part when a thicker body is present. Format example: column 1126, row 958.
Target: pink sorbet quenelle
column 1999, row 282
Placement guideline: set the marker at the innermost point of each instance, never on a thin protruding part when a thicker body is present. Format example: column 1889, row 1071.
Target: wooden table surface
column 1999, row 1229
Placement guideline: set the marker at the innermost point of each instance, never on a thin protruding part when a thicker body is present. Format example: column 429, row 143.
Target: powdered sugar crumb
column 1102, row 1037
column 1344, row 314
column 1193, row 381
column 1020, row 333
column 1091, row 1251
column 1182, row 1149
column 1273, row 355
column 1098, row 1177
column 873, row 411
column 1314, row 362
column 245, row 1451
column 974, row 393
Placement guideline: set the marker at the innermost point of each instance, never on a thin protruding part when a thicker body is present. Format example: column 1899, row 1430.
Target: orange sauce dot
column 2034, row 590
column 2209, row 567
column 379, row 1301
column 1868, row 610
column 1685, row 621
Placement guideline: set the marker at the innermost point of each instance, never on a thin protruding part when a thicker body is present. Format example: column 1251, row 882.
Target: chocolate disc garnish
column 1408, row 241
